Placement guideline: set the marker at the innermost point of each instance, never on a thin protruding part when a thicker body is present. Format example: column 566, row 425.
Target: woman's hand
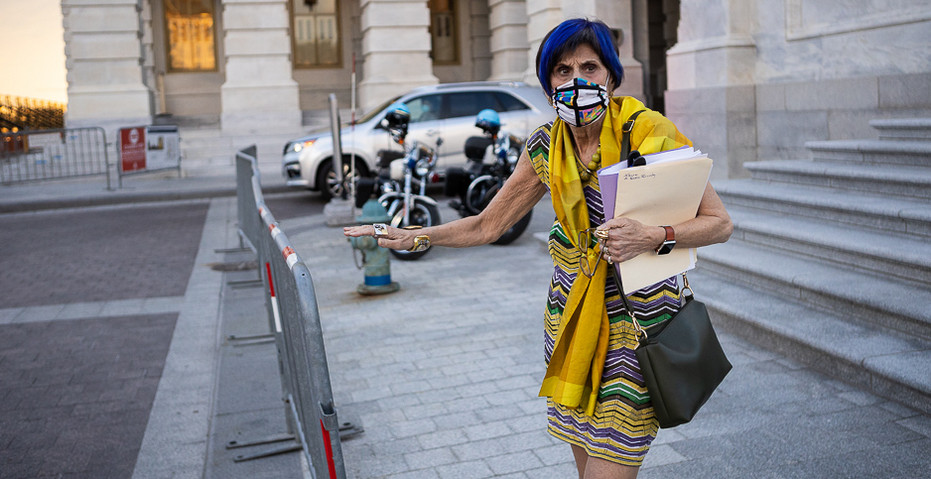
column 393, row 238
column 629, row 238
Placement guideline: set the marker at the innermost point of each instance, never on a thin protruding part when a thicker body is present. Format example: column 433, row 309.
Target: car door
column 459, row 111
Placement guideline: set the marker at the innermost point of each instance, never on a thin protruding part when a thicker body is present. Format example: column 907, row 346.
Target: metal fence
column 248, row 197
column 295, row 322
column 27, row 156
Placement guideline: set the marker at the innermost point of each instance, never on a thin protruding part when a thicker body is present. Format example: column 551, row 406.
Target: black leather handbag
column 681, row 360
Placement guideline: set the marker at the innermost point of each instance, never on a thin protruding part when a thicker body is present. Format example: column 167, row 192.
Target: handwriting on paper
column 638, row 176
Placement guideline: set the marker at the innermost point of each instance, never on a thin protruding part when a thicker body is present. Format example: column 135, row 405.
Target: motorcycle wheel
column 326, row 176
column 422, row 214
column 479, row 194
column 513, row 232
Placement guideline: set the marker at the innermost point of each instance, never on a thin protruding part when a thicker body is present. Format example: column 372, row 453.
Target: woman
column 598, row 404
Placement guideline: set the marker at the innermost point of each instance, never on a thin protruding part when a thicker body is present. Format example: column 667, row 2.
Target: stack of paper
column 666, row 191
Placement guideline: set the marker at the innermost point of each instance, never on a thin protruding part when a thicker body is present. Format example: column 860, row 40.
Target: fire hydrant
column 375, row 260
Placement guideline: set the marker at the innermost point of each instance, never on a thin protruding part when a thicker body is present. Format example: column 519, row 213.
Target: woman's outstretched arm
column 518, row 196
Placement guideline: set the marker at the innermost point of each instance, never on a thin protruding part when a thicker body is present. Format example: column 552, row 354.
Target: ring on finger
column 608, row 258
column 381, row 229
column 601, row 234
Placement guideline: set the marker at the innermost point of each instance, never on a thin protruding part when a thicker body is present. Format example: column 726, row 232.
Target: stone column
column 543, row 15
column 620, row 17
column 259, row 95
column 711, row 95
column 104, row 59
column 508, row 24
column 395, row 49
column 479, row 39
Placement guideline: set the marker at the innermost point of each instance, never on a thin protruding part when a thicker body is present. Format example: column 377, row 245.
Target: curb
column 117, row 198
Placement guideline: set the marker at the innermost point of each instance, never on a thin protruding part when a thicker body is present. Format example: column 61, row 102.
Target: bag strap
column 630, row 312
column 641, row 331
column 626, row 129
column 625, row 152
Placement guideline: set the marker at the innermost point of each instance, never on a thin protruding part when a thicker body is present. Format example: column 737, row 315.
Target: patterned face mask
column 580, row 102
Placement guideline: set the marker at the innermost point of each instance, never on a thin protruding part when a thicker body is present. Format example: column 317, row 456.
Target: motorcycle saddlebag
column 475, row 147
column 365, row 189
column 457, row 181
column 385, row 157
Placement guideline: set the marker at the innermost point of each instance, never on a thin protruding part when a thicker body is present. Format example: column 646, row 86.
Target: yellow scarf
column 573, row 376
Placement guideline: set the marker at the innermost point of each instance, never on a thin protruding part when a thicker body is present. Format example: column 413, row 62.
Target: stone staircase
column 830, row 260
column 206, row 149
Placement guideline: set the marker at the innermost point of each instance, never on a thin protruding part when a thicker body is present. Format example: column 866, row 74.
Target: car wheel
column 326, row 178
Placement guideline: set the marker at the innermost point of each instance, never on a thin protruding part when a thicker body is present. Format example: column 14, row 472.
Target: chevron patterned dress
column 623, row 425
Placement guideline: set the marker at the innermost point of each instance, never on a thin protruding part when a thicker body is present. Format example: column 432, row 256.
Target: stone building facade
column 745, row 79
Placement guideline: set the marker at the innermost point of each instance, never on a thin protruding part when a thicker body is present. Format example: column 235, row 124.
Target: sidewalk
column 140, row 188
column 443, row 374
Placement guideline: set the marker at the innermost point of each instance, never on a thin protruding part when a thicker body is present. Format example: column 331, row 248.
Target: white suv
column 444, row 111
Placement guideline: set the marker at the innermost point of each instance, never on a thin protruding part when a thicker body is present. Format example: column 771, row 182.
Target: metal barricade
column 27, row 156
column 294, row 318
column 247, row 197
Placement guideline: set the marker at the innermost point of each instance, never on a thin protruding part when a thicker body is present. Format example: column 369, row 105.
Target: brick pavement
column 75, row 395
column 89, row 304
column 98, row 254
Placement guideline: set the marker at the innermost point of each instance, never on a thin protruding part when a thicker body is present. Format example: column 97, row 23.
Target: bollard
column 375, row 260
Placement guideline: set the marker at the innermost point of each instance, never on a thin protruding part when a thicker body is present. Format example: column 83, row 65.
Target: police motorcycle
column 479, row 182
column 401, row 179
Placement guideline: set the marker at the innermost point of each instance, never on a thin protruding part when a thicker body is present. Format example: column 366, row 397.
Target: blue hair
column 566, row 37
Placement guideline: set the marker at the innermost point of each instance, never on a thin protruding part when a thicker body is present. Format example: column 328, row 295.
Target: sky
column 32, row 60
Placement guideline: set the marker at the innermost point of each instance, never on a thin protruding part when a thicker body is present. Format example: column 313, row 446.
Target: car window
column 374, row 111
column 509, row 103
column 470, row 103
column 424, row 108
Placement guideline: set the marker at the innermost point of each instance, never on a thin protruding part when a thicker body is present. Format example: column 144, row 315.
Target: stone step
column 883, row 361
column 903, row 128
column 876, row 300
column 905, row 181
column 872, row 252
column 191, row 122
column 873, row 152
column 886, row 213
column 204, row 149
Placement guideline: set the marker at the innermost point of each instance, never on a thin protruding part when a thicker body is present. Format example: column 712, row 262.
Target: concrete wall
column 755, row 80
column 791, row 113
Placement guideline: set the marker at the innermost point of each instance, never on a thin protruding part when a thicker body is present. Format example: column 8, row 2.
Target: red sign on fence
column 132, row 149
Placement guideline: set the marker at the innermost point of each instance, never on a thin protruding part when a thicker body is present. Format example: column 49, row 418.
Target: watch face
column 666, row 247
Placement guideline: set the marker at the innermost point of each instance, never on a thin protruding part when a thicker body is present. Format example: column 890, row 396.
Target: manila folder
column 660, row 194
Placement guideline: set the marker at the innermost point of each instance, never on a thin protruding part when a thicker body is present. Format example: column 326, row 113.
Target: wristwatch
column 669, row 243
column 421, row 243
